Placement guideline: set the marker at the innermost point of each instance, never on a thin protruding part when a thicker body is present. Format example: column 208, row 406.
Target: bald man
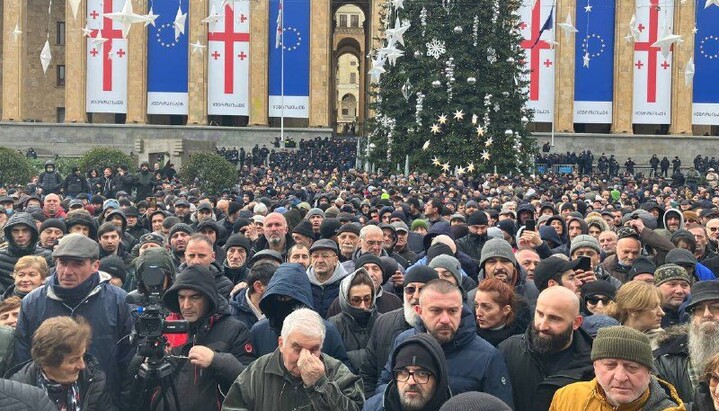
column 553, row 352
column 275, row 237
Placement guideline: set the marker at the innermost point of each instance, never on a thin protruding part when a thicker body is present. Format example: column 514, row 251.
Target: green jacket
column 267, row 385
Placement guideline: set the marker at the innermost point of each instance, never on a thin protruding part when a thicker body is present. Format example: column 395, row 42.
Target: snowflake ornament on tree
column 436, row 49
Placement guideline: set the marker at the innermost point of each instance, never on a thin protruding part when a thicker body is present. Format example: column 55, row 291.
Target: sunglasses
column 409, row 290
column 596, row 300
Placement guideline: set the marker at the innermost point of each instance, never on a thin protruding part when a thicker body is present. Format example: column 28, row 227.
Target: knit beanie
column 349, row 228
column 238, row 240
column 329, row 227
column 641, row 265
column 416, row 354
column 369, row 258
column 435, row 250
column 623, row 343
column 584, row 240
column 599, row 287
column 420, row 274
column 313, row 212
column 477, row 218
column 475, row 401
column 419, row 223
column 304, row 228
column 181, row 227
column 54, row 223
column 450, row 264
column 114, row 266
column 497, row 247
column 669, row 272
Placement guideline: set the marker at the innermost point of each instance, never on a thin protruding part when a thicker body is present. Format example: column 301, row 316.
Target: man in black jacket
column 217, row 348
column 473, row 242
column 554, row 352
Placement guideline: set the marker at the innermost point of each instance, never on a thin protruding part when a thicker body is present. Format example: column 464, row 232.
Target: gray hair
column 369, row 229
column 307, row 322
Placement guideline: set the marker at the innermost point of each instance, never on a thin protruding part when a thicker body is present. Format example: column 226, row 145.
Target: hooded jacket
column 536, row 386
column 223, row 284
column 15, row 396
column 386, row 328
column 673, row 211
column 671, row 360
column 323, row 294
column 10, row 253
column 472, row 363
column 290, row 280
column 389, row 399
column 587, row 396
column 50, row 181
column 217, row 330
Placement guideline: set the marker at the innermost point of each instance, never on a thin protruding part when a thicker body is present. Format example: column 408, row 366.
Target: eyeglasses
column 596, row 300
column 367, row 299
column 409, row 290
column 702, row 308
column 420, row 376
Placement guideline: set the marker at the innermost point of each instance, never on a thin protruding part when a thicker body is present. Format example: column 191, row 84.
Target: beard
column 409, row 314
column 413, row 404
column 275, row 241
column 443, row 338
column 703, row 343
column 549, row 345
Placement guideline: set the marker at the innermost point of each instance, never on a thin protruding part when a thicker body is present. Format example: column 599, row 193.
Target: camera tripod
column 155, row 374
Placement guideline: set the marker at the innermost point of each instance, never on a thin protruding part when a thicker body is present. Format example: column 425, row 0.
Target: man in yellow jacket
column 622, row 363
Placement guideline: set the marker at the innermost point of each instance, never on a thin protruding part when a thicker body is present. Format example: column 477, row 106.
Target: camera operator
column 218, row 347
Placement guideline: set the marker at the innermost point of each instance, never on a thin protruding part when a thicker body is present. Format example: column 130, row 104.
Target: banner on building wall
column 652, row 71
column 228, row 53
column 537, row 27
column 106, row 83
column 294, row 39
column 167, row 61
column 594, row 62
column 706, row 67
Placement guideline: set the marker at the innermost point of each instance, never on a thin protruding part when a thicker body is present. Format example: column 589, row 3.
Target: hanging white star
column 445, row 167
column 98, row 39
column 442, row 119
column 480, row 131
column 460, row 171
column 398, row 4
column 110, row 53
column 179, row 23
column 435, row 129
column 151, row 17
column 588, row 8
column 485, row 155
column 489, row 142
column 425, row 146
column 689, row 72
column 395, row 35
column 198, row 47
column 710, row 2
column 470, row 167
column 214, row 16
column 126, row 17
column 392, row 54
column 585, row 59
column 474, row 119
column 45, row 56
column 568, row 27
column 459, row 115
column 16, row 33
column 666, row 40
column 74, row 5
column 376, row 70
column 435, row 161
column 633, row 29
column 86, row 32
column 695, row 30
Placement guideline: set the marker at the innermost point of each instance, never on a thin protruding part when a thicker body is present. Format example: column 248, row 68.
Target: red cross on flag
column 229, row 60
column 539, row 57
column 106, row 86
column 652, row 71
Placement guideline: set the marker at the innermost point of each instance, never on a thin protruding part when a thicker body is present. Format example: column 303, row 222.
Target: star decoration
column 391, row 54
column 489, row 142
column 426, row 145
column 459, row 115
column 376, row 70
column 179, row 23
column 16, row 33
column 214, row 17
column 126, row 17
column 98, row 39
column 588, row 8
column 633, row 30
column 74, row 6
column 86, row 32
column 394, row 35
column 151, row 17
column 398, row 4
column 474, row 119
column 480, row 131
column 470, row 167
column 460, row 171
column 689, row 72
column 198, row 47
column 710, row 2
column 485, row 155
column 445, row 167
column 568, row 27
column 435, row 129
column 666, row 40
column 110, row 53
column 435, row 161
column 442, row 119
column 45, row 56
column 585, row 59
column 695, row 30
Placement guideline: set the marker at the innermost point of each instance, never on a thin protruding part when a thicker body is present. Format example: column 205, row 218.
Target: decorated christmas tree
column 449, row 88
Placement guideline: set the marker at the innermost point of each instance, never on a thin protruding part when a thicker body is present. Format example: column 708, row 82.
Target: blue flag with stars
column 594, row 62
column 167, row 60
column 706, row 66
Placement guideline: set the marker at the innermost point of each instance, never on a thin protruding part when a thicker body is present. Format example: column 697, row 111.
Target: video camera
column 151, row 325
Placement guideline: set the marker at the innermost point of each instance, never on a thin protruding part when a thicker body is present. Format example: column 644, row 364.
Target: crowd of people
column 314, row 286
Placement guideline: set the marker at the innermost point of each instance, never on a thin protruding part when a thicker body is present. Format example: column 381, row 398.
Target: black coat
column 386, row 328
column 702, row 398
column 16, row 396
column 93, row 394
column 10, row 253
column 533, row 387
column 671, row 359
column 354, row 335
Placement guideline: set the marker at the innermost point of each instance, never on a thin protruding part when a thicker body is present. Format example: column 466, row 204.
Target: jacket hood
column 597, row 221
column 289, row 280
column 113, row 213
column 345, row 288
column 337, row 275
column 527, row 209
column 17, row 219
column 675, row 211
column 548, row 233
column 442, row 392
column 662, row 395
column 196, row 278
column 559, row 218
column 436, row 229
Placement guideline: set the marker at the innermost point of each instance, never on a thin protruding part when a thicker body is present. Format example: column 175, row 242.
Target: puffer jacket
column 472, row 244
column 323, row 294
column 10, row 253
column 671, row 360
column 145, row 184
column 386, row 328
column 536, row 386
column 16, row 396
column 587, row 396
column 94, row 395
column 472, row 363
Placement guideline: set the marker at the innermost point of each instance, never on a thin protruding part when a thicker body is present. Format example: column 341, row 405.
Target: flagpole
column 282, row 75
column 554, row 89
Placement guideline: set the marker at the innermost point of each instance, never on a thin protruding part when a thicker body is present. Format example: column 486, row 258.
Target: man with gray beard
column 276, row 236
column 389, row 325
column 684, row 350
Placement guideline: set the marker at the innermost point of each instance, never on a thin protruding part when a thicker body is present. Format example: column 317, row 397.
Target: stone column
column 137, row 69
column 320, row 63
column 197, row 82
column 623, row 108
column 682, row 95
column 564, row 71
column 259, row 65
column 75, row 64
column 13, row 60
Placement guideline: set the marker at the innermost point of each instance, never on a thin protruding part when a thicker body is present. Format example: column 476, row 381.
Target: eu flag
column 706, row 65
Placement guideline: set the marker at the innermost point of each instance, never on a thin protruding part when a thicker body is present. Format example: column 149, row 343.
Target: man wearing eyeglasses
column 683, row 354
column 325, row 274
column 419, row 378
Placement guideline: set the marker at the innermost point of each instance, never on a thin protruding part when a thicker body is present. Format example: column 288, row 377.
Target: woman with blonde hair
column 638, row 305
column 29, row 273
column 706, row 394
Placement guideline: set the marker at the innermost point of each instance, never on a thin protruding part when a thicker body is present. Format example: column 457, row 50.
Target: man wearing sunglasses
column 419, row 378
column 683, row 354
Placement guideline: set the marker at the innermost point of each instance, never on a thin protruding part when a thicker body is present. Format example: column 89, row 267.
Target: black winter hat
column 420, row 274
column 369, row 258
column 349, row 228
column 329, row 227
column 477, row 218
column 238, row 240
column 415, row 354
column 304, row 228
column 437, row 250
column 475, row 401
column 198, row 278
column 640, row 266
column 114, row 266
column 82, row 219
column 54, row 223
column 241, row 222
column 181, row 227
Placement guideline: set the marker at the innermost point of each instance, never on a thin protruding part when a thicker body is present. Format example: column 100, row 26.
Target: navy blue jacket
column 473, row 364
column 291, row 280
column 241, row 310
column 323, row 296
column 105, row 310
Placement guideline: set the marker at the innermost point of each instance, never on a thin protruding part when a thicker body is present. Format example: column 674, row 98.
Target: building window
column 354, row 20
column 353, row 78
column 60, row 113
column 60, row 40
column 343, row 20
column 353, row 63
column 345, row 112
column 60, row 75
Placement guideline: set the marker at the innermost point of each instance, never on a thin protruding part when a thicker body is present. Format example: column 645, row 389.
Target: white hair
column 260, row 208
column 307, row 322
column 369, row 229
